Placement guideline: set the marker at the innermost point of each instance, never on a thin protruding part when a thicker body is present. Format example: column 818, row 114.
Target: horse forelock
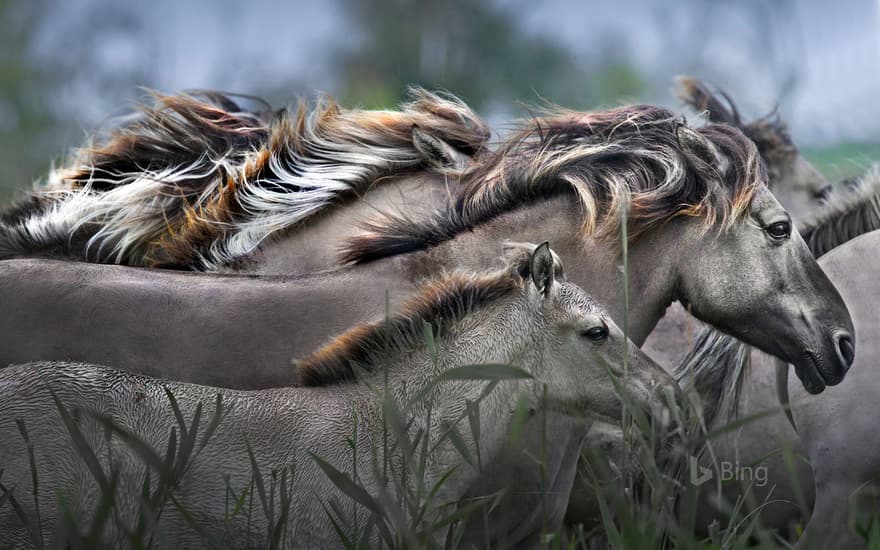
column 440, row 304
column 627, row 157
column 196, row 181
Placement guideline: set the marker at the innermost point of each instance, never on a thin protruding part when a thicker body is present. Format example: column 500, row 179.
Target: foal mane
column 845, row 218
column 628, row 155
column 439, row 304
column 194, row 180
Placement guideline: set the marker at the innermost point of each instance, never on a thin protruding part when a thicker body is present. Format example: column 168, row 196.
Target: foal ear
column 437, row 152
column 699, row 149
column 517, row 256
column 543, row 268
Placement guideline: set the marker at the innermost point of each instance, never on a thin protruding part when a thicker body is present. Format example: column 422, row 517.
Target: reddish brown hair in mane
column 196, row 181
column 440, row 304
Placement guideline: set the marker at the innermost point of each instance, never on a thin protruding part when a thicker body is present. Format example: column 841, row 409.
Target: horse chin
column 808, row 373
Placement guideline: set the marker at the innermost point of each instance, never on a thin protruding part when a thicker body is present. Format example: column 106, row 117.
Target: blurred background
column 67, row 66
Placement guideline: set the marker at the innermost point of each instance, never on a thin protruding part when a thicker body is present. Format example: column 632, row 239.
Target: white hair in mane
column 195, row 181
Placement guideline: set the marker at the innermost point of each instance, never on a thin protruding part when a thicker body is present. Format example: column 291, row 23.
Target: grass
column 648, row 504
column 844, row 160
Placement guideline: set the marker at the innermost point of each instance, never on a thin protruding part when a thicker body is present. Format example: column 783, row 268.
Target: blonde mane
column 629, row 155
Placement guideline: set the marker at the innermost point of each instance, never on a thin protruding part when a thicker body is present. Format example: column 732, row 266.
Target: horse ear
column 543, row 268
column 517, row 257
column 699, row 149
column 698, row 95
column 437, row 152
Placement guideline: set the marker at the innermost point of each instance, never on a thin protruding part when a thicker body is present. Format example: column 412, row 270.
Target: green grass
column 844, row 160
column 650, row 505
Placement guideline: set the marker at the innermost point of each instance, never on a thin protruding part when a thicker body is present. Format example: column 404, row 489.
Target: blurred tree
column 25, row 120
column 473, row 48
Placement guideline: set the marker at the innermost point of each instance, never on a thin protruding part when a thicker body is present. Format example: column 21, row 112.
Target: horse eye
column 596, row 334
column 779, row 230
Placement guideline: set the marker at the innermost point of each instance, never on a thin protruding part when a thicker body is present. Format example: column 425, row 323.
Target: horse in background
column 796, row 183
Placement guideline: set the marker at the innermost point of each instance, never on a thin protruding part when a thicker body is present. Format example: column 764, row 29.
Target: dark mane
column 714, row 369
column 441, row 304
column 626, row 155
column 846, row 217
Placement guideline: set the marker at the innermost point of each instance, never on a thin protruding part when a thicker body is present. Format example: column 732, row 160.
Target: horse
column 796, row 183
column 843, row 235
column 168, row 180
column 196, row 181
column 845, row 215
column 700, row 225
column 845, row 499
column 570, row 356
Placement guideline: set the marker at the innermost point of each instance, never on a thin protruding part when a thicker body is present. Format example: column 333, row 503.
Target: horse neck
column 591, row 264
column 407, row 374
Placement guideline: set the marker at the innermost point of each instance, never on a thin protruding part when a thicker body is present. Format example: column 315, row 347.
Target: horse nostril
column 846, row 350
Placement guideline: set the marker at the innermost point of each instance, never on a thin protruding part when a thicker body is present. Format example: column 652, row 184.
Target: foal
column 569, row 353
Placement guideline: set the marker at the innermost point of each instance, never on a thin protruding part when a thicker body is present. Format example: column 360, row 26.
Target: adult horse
column 702, row 227
column 196, row 172
column 523, row 315
column 198, row 182
column 793, row 486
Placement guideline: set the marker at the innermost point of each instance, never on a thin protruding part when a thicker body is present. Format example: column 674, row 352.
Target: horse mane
column 846, row 217
column 624, row 156
column 439, row 304
column 770, row 133
column 714, row 369
column 194, row 180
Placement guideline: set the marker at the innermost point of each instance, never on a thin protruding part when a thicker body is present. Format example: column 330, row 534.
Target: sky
column 817, row 61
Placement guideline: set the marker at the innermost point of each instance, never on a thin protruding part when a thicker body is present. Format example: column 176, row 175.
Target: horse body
column 839, row 433
column 207, row 329
column 523, row 316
